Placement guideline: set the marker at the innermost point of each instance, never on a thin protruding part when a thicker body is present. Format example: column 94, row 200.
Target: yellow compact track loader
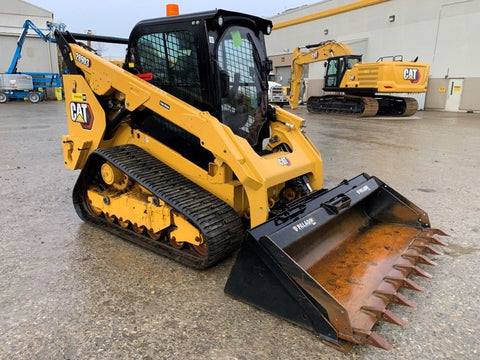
column 181, row 153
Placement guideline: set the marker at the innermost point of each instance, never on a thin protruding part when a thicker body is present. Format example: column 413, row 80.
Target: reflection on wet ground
column 71, row 291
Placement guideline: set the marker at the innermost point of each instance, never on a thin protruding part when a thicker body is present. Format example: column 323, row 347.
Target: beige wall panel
column 314, row 88
column 470, row 98
column 436, row 94
column 281, row 60
column 37, row 55
column 22, row 7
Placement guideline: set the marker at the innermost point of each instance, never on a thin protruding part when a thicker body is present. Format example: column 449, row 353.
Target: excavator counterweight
column 181, row 153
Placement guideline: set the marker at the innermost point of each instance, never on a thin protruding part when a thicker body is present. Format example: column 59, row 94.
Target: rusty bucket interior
column 347, row 255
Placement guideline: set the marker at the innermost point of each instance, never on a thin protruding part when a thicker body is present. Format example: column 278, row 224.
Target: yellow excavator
column 181, row 153
column 356, row 87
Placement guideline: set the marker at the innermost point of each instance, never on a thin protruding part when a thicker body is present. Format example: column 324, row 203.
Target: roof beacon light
column 172, row 10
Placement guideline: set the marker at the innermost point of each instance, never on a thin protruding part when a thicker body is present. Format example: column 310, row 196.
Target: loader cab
column 336, row 68
column 215, row 61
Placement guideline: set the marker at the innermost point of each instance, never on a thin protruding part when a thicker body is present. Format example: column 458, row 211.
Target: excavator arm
column 317, row 52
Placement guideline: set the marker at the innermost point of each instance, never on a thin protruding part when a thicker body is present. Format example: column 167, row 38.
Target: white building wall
column 37, row 55
column 443, row 33
column 456, row 50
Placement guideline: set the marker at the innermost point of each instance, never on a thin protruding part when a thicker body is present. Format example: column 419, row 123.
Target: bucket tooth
column 431, row 250
column 372, row 338
column 437, row 232
column 395, row 297
column 415, row 270
column 433, row 240
column 384, row 315
column 404, row 282
column 436, row 241
column 422, row 244
column 422, row 259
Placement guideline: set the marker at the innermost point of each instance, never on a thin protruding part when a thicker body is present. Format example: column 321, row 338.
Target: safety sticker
column 79, row 97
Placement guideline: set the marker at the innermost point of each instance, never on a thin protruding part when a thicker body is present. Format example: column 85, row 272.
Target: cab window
column 173, row 60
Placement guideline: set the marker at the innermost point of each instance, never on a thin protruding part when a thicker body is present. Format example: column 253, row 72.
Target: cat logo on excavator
column 411, row 74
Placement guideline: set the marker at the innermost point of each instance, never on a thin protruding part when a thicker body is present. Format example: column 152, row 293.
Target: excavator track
column 219, row 225
column 411, row 107
column 343, row 104
column 396, row 106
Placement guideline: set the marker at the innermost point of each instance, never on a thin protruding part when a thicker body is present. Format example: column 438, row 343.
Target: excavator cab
column 336, row 68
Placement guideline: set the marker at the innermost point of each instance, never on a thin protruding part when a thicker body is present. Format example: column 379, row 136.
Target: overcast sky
column 117, row 17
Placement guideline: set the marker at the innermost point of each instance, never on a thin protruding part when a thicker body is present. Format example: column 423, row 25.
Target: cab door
column 333, row 71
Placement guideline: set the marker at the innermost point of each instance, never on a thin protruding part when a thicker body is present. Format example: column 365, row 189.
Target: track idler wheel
column 94, row 210
column 114, row 177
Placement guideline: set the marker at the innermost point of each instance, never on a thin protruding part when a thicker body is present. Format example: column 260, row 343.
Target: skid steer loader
column 181, row 153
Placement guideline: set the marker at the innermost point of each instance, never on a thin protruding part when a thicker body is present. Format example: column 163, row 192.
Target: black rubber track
column 396, row 106
column 343, row 104
column 219, row 224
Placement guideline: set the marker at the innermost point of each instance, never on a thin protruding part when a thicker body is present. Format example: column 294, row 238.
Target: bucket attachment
column 334, row 260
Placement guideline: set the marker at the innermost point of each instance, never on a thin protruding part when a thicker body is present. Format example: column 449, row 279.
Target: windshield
column 244, row 97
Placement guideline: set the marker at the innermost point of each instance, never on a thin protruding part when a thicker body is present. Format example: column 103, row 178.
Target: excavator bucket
column 334, row 260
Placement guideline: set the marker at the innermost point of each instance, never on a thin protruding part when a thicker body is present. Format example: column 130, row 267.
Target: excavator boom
column 321, row 51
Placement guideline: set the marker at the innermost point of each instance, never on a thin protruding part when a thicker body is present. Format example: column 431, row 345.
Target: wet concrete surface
column 71, row 291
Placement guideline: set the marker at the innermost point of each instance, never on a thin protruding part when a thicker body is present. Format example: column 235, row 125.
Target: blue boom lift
column 20, row 85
